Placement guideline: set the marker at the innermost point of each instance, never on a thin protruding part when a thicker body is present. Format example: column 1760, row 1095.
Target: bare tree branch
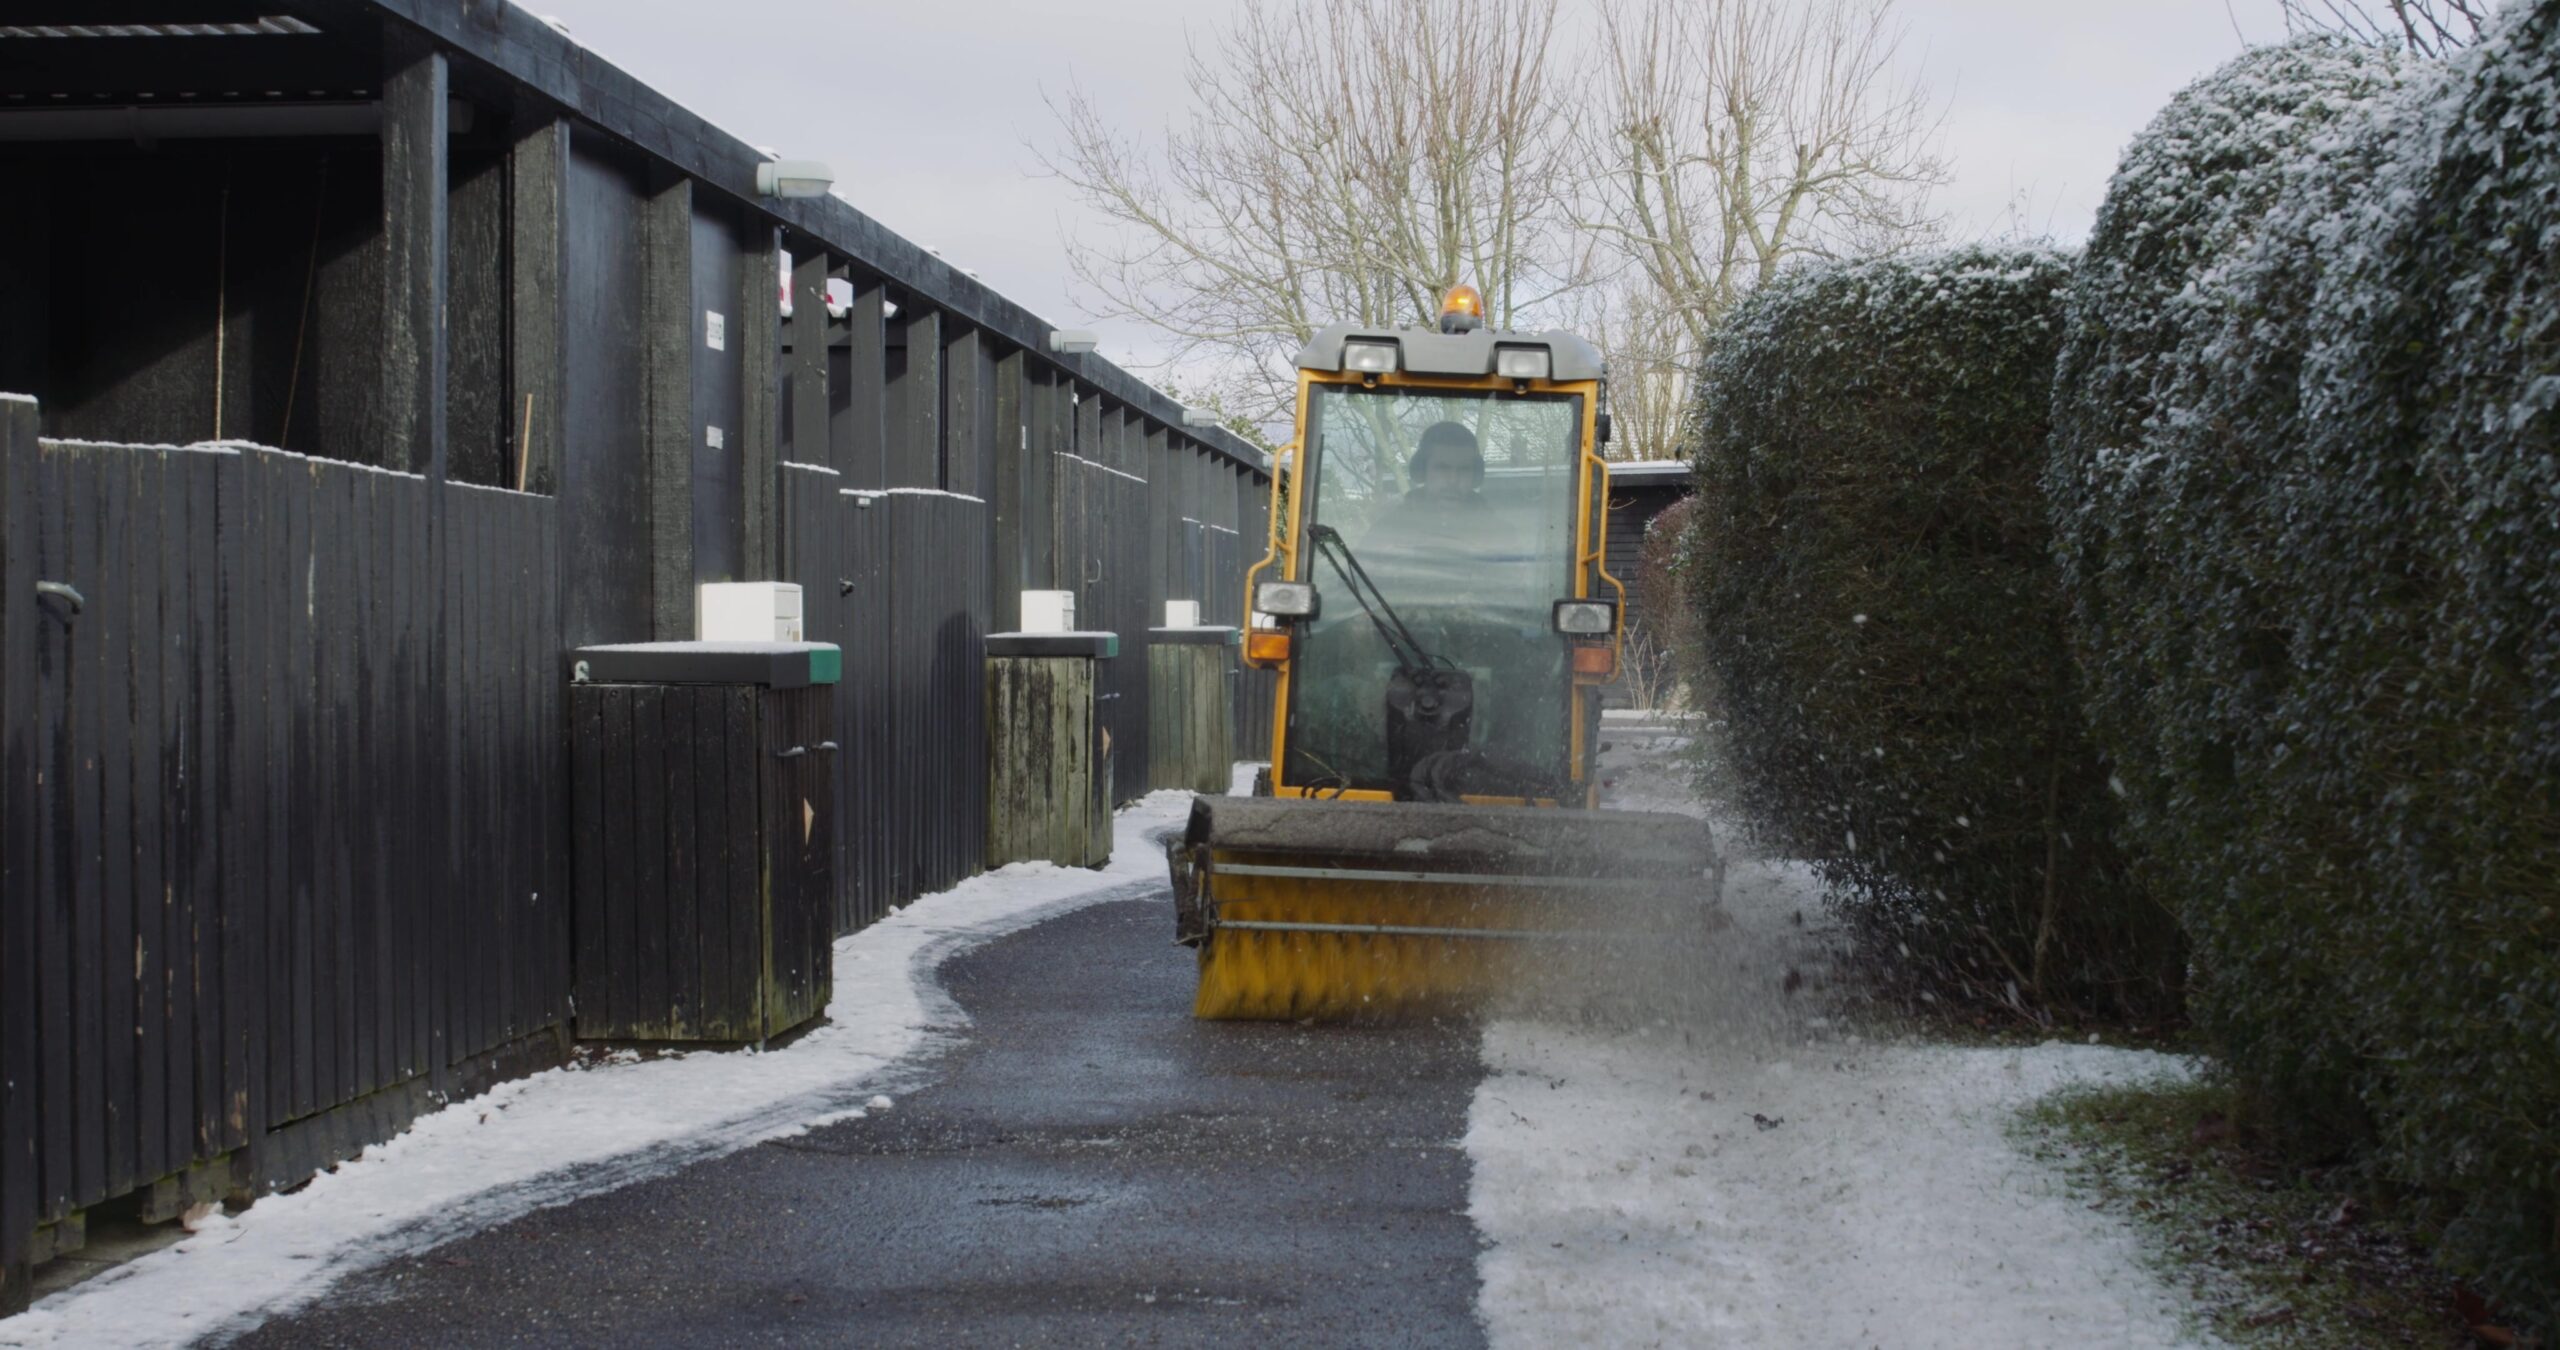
column 1732, row 136
column 1344, row 160
column 2433, row 28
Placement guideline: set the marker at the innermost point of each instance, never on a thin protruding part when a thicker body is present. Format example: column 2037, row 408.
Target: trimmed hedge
column 2306, row 477
column 2172, row 400
column 1871, row 568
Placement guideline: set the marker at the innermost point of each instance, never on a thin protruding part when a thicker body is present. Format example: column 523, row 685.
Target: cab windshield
column 1459, row 507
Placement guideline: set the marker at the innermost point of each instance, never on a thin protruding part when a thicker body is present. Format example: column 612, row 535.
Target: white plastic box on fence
column 1048, row 611
column 1181, row 613
column 749, row 611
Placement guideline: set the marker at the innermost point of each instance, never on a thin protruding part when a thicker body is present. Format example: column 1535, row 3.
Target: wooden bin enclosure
column 702, row 813
column 1190, row 708
column 1048, row 751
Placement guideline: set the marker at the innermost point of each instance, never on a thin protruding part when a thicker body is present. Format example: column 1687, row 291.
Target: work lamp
column 1586, row 618
column 1369, row 358
column 1286, row 599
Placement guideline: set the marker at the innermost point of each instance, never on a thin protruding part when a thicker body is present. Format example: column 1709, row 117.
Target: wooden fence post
column 1048, row 771
column 1188, row 701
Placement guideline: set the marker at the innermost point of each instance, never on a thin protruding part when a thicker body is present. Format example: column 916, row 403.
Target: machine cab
column 1434, row 595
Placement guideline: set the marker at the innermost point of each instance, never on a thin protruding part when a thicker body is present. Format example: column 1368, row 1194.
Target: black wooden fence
column 1101, row 543
column 276, row 827
column 898, row 579
column 282, row 823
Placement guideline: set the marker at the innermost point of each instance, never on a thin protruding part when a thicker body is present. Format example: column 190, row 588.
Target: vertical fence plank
column 120, row 478
column 195, row 577
column 89, row 934
column 682, row 915
column 146, row 1009
column 745, row 940
column 365, row 556
column 55, row 815
column 20, row 898
column 587, row 794
column 647, row 981
column 415, row 588
column 713, row 990
column 179, row 790
column 233, row 833
column 331, row 905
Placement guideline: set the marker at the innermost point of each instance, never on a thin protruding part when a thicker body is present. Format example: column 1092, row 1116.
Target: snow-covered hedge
column 2306, row 475
column 1872, row 575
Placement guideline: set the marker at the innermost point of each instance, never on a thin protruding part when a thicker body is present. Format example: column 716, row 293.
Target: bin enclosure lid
column 776, row 665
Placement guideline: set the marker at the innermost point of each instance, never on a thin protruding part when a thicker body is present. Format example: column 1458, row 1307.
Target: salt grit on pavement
column 1782, row 1182
column 556, row 1136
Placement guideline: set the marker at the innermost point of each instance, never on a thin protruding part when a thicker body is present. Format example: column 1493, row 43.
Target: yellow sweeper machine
column 1435, row 602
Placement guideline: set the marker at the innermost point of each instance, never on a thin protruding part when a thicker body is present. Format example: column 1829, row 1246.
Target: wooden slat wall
column 704, row 897
column 1047, row 796
column 899, row 580
column 1099, row 532
column 797, row 952
column 1187, row 689
column 223, row 913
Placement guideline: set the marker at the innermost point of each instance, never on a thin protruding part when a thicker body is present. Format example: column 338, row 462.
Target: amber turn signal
column 1596, row 663
column 1266, row 646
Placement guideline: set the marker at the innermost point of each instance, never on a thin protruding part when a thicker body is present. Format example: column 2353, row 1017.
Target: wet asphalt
column 1089, row 1166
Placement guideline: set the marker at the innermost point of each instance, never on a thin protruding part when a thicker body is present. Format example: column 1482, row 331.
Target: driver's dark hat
column 1444, row 439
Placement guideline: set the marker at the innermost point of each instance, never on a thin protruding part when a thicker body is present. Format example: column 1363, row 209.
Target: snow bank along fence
column 287, row 821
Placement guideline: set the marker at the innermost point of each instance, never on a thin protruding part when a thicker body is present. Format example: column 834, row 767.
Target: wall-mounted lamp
column 1073, row 340
column 794, row 178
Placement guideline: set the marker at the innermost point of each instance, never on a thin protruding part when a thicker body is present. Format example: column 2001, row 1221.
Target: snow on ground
column 1755, row 1174
column 571, row 1132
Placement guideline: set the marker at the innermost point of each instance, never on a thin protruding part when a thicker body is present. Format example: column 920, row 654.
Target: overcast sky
column 925, row 109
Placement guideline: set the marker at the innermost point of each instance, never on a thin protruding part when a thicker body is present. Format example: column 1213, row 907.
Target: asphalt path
column 1088, row 1165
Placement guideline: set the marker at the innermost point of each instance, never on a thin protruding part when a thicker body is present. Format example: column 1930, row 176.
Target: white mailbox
column 749, row 611
column 1181, row 613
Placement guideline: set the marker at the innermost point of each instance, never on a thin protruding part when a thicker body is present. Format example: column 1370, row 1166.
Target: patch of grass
column 2275, row 1254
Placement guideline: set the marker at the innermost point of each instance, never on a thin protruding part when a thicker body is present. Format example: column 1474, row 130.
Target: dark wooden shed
column 1639, row 490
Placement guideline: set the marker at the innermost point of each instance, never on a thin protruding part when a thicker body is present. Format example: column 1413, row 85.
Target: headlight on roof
column 1521, row 363
column 1369, row 358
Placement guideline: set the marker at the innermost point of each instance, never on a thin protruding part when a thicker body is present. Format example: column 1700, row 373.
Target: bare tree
column 1734, row 135
column 1646, row 343
column 1344, row 160
column 2429, row 27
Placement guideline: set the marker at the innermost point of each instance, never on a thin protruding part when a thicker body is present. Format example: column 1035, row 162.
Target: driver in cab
column 1429, row 547
column 1447, row 493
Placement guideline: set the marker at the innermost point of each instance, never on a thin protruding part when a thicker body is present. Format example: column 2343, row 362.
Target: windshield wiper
column 1410, row 655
